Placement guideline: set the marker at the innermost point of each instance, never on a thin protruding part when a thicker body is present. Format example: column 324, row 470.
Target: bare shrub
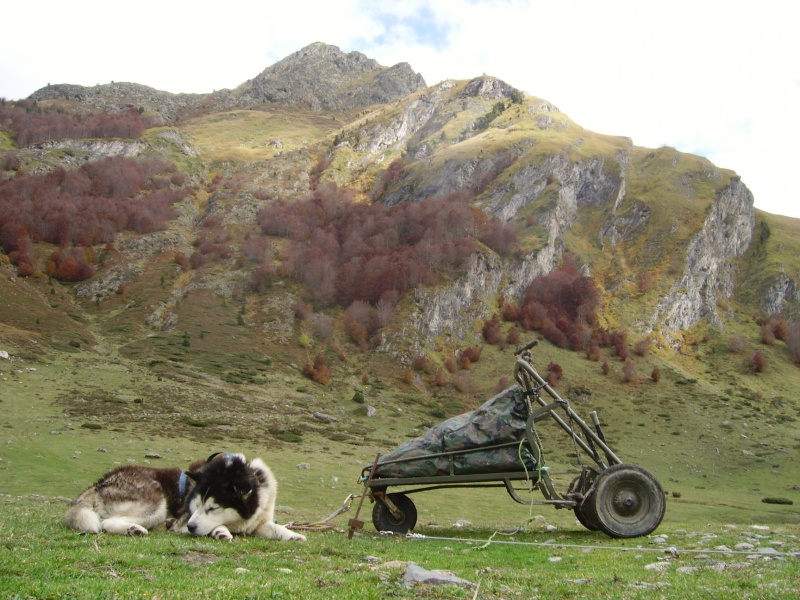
column 323, row 326
column 473, row 353
column 512, row 336
column 492, row 331
column 554, row 373
column 420, row 363
column 793, row 339
column 642, row 347
column 737, row 344
column 440, row 379
column 618, row 340
column 461, row 382
column 260, row 278
column 318, row 370
column 758, row 361
column 628, row 370
column 503, row 384
column 594, row 353
column 302, row 311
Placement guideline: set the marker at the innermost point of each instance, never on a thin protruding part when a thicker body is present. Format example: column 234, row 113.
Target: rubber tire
column 585, row 516
column 581, row 513
column 383, row 520
column 627, row 501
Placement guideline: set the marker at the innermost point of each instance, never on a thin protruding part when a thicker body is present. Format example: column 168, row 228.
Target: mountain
column 321, row 77
column 318, row 77
column 700, row 282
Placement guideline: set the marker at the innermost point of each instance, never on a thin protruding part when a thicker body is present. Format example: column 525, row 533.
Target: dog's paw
column 136, row 530
column 296, row 537
column 222, row 533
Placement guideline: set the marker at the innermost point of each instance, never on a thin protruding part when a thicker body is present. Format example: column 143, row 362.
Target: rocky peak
column 322, row 77
column 490, row 88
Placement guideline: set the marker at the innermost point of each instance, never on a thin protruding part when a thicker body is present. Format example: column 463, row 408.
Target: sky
column 718, row 78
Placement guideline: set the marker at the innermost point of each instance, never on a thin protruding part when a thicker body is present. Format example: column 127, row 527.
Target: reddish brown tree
column 758, row 361
column 492, row 330
column 628, row 370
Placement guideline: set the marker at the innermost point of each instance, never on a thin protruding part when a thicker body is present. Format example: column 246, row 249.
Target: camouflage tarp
column 500, row 420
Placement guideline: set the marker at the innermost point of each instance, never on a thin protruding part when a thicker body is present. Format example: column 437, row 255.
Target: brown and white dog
column 219, row 497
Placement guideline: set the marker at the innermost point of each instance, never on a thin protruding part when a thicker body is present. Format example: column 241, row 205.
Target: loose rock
column 416, row 574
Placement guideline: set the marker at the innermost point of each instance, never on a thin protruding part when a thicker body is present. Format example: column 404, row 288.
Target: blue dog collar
column 182, row 484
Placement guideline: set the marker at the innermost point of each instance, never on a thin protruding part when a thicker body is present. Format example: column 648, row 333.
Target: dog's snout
column 191, row 527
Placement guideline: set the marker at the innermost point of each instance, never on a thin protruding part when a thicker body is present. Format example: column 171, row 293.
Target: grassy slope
column 48, row 456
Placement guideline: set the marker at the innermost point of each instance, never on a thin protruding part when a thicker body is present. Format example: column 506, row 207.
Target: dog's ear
column 193, row 476
column 243, row 494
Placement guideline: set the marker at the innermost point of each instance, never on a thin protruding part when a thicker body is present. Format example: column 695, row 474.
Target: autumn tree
column 318, row 370
column 758, row 361
column 628, row 370
column 344, row 251
column 492, row 330
column 793, row 340
column 561, row 304
column 85, row 207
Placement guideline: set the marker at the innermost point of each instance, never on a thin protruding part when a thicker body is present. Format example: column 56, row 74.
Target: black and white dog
column 220, row 497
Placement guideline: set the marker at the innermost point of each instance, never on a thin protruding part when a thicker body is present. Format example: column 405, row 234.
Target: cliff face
column 570, row 195
column 709, row 274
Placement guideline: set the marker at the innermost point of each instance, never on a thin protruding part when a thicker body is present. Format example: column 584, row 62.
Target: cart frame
column 622, row 500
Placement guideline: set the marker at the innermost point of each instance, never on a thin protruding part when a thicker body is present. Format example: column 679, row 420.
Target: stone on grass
column 416, row 574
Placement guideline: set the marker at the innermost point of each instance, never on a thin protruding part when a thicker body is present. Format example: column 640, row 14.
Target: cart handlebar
column 527, row 346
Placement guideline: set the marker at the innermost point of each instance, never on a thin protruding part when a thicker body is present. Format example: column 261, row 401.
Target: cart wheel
column 585, row 516
column 383, row 520
column 581, row 510
column 627, row 501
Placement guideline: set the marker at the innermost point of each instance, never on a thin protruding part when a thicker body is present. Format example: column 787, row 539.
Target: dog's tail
column 81, row 516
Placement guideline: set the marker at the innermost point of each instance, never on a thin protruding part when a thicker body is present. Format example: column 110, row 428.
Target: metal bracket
column 354, row 523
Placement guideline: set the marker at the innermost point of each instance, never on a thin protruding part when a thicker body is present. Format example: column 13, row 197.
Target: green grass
column 688, row 430
column 253, row 135
column 41, row 558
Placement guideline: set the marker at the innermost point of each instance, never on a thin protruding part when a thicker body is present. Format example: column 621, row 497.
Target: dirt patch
column 199, row 559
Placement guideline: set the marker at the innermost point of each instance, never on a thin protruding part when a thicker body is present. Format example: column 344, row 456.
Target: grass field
column 40, row 558
column 51, row 453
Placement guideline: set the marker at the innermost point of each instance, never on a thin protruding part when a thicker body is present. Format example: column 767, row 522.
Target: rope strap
column 324, row 524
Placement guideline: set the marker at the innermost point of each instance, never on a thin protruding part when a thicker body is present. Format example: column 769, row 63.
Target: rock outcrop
column 322, row 77
column 119, row 96
column 708, row 274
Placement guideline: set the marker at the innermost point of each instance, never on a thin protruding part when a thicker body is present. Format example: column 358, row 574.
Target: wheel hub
column 626, row 503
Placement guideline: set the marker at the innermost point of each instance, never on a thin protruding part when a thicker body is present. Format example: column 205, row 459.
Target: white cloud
column 717, row 78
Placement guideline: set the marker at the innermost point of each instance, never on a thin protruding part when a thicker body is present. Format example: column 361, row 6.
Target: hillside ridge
column 673, row 242
column 317, row 77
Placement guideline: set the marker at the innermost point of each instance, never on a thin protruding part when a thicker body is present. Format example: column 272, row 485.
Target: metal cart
column 619, row 499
